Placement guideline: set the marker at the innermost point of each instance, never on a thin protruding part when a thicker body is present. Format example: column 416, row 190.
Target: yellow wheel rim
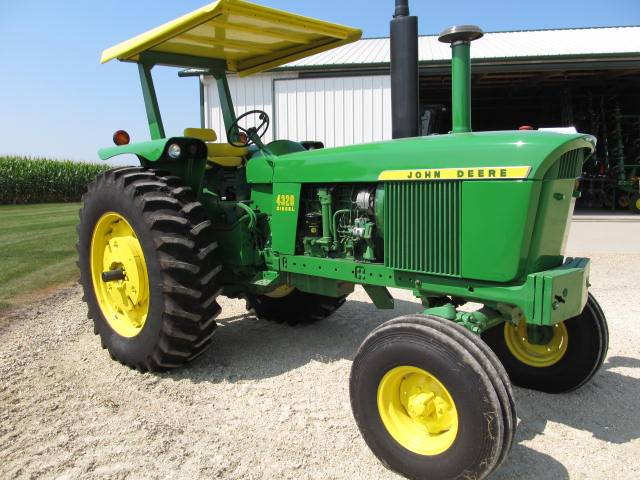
column 638, row 203
column 281, row 291
column 534, row 355
column 124, row 302
column 417, row 410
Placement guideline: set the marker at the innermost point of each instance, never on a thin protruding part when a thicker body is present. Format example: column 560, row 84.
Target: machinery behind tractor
column 611, row 177
column 456, row 218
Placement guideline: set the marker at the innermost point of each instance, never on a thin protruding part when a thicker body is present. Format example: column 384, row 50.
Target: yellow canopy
column 249, row 37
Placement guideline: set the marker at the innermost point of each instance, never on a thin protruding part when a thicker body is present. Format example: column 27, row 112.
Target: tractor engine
column 340, row 221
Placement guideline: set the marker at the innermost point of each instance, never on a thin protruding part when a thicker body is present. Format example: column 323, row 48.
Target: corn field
column 41, row 180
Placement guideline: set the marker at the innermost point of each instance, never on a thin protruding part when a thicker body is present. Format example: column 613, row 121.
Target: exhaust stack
column 460, row 38
column 404, row 72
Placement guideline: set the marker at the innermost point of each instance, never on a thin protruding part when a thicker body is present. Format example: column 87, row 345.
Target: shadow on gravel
column 524, row 463
column 606, row 406
column 246, row 348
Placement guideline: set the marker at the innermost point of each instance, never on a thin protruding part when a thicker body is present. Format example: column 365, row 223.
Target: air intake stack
column 460, row 38
column 404, row 72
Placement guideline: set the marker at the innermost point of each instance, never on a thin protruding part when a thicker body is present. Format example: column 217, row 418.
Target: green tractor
column 457, row 218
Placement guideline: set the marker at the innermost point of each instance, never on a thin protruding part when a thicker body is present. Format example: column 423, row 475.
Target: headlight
column 174, row 151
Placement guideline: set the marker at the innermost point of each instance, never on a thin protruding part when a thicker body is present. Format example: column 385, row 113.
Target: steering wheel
column 251, row 132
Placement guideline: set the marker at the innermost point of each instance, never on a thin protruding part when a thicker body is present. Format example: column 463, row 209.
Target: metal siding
column 291, row 115
column 249, row 93
column 334, row 101
column 320, row 128
column 334, row 110
column 302, row 118
column 337, row 111
column 356, row 112
column 386, row 110
column 367, row 109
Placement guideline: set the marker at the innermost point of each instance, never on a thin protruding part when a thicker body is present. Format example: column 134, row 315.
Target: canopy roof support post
column 156, row 129
column 226, row 104
column 202, row 113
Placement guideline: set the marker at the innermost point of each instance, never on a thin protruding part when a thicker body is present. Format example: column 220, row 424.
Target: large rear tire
column 147, row 268
column 572, row 356
column 424, row 397
column 294, row 308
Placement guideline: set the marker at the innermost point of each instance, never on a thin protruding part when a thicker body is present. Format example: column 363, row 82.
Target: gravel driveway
column 270, row 401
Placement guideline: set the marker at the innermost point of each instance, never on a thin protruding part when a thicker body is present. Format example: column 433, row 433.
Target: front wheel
column 568, row 356
column 425, row 400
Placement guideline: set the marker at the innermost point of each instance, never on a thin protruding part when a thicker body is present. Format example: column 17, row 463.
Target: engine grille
column 422, row 227
column 570, row 164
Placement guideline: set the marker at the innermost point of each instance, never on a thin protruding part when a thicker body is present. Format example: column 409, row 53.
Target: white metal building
column 343, row 96
column 339, row 110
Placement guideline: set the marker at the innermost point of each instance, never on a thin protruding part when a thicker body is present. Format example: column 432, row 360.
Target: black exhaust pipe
column 404, row 72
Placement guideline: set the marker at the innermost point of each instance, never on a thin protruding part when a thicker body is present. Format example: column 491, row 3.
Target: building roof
column 578, row 42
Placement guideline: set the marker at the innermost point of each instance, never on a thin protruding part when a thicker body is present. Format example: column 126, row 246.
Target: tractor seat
column 223, row 154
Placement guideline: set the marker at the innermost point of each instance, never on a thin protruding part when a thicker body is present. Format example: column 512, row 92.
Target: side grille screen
column 570, row 164
column 422, row 226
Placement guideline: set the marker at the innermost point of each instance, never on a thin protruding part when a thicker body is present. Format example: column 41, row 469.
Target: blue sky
column 56, row 100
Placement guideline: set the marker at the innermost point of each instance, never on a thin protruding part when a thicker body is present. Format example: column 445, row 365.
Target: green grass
column 38, row 249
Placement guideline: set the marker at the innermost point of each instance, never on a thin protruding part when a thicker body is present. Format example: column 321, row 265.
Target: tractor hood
column 517, row 154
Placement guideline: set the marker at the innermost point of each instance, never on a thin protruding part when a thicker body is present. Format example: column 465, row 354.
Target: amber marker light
column 121, row 138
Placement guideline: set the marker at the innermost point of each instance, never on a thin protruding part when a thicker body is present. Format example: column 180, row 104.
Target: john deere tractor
column 457, row 218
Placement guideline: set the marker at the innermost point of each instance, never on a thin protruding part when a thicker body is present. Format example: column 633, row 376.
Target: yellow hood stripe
column 460, row 173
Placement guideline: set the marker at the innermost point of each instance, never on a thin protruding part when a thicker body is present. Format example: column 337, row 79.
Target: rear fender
column 189, row 166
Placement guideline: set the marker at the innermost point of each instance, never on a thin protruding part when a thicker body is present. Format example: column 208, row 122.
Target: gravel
column 271, row 401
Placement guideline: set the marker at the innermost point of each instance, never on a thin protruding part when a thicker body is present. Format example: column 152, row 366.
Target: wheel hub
column 417, row 410
column 123, row 297
column 534, row 351
column 424, row 406
column 539, row 335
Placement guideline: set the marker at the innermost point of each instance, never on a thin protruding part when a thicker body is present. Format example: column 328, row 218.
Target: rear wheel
column 570, row 356
column 289, row 305
column 147, row 268
column 410, row 394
